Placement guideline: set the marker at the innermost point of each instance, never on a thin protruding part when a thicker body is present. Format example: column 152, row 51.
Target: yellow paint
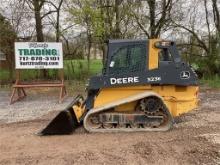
column 126, row 107
column 153, row 54
column 178, row 99
column 79, row 111
column 109, row 95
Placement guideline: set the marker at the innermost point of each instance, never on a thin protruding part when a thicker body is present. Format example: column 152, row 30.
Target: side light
column 162, row 44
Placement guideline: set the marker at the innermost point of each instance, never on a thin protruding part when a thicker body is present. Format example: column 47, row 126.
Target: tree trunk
column 104, row 37
column 104, row 53
column 58, row 26
column 89, row 51
column 152, row 8
column 39, row 29
column 108, row 21
column 10, row 64
column 117, row 17
column 58, row 22
column 95, row 51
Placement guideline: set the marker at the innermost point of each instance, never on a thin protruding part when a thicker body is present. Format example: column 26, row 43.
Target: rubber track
column 123, row 101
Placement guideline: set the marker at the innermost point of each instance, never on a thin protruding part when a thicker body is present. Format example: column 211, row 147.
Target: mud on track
column 195, row 139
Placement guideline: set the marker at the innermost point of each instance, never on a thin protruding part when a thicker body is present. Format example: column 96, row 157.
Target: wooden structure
column 18, row 91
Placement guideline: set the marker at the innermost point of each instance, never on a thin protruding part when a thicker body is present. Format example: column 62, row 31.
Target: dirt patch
column 193, row 140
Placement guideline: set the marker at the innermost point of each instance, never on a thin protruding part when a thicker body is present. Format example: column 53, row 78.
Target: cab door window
column 164, row 55
column 131, row 58
column 165, row 58
column 119, row 61
column 137, row 58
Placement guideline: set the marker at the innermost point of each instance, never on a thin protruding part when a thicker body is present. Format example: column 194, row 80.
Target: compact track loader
column 144, row 85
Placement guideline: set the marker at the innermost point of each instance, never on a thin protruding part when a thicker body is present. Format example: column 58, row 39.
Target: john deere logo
column 185, row 75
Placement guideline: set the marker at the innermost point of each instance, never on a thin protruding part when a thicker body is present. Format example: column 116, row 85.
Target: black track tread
column 166, row 127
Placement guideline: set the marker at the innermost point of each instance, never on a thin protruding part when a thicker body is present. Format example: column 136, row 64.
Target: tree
column 56, row 23
column 102, row 20
column 85, row 14
column 205, row 39
column 20, row 17
column 7, row 39
column 152, row 17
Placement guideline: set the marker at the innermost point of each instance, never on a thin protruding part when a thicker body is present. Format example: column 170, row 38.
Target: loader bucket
column 64, row 123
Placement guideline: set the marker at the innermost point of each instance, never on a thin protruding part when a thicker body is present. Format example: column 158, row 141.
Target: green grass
column 78, row 69
column 73, row 70
column 213, row 81
column 4, row 75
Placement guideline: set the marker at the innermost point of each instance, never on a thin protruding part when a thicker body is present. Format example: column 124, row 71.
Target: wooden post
column 62, row 88
column 20, row 91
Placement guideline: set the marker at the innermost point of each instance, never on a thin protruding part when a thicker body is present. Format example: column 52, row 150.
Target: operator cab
column 126, row 56
column 130, row 56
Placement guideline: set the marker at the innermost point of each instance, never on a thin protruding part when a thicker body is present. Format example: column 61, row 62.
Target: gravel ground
column 36, row 104
column 195, row 138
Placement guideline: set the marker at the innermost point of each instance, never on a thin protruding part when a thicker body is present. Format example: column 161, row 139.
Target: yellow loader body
column 178, row 99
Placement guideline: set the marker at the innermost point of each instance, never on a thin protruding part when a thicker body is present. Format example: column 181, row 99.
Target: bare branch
column 202, row 43
column 207, row 21
column 190, row 44
column 68, row 27
column 48, row 13
column 41, row 3
column 141, row 26
column 49, row 2
column 216, row 15
column 30, row 4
